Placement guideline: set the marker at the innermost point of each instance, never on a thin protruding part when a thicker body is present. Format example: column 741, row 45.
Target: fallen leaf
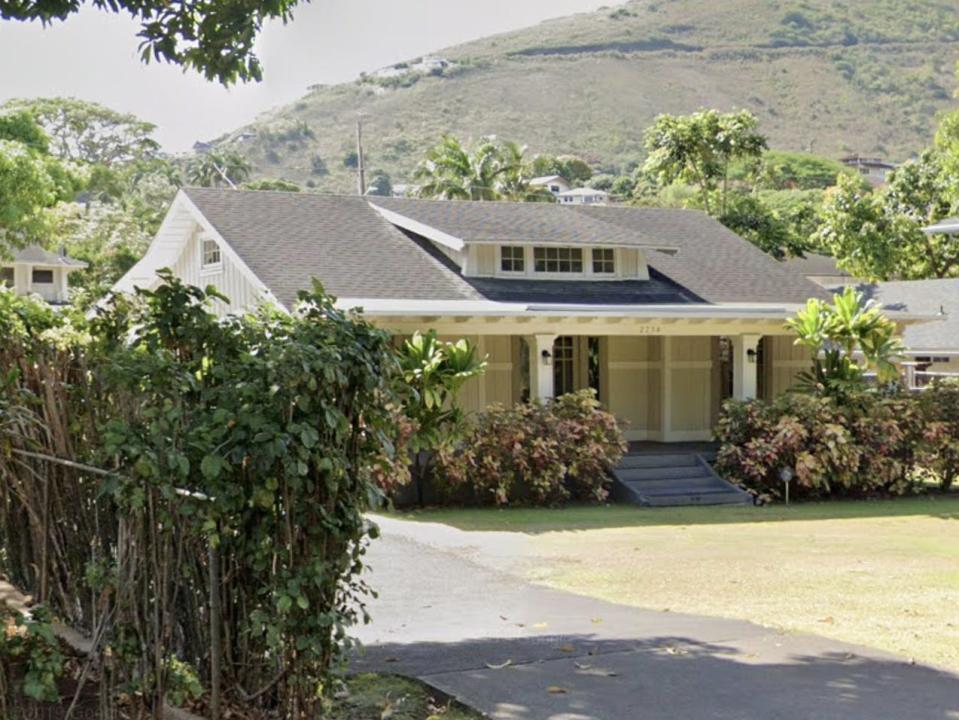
column 556, row 690
column 596, row 621
column 567, row 648
column 828, row 620
column 582, row 666
column 541, row 626
column 391, row 660
column 500, row 666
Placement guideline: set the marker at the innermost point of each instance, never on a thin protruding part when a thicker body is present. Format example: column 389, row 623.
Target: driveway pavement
column 448, row 615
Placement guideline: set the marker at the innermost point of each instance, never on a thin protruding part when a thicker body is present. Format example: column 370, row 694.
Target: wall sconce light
column 547, row 357
column 751, row 355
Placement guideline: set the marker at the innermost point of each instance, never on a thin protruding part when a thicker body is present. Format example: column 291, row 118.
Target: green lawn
column 376, row 697
column 882, row 573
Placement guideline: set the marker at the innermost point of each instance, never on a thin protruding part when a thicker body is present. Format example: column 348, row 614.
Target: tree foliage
column 700, row 149
column 214, row 37
column 571, row 168
column 163, row 437
column 847, row 338
column 491, row 170
column 218, row 168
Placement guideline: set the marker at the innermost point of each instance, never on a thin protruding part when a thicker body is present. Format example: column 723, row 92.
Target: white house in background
column 583, row 196
column 663, row 312
column 875, row 170
column 34, row 270
column 556, row 184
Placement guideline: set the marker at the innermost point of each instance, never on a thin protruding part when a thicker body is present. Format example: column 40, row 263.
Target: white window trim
column 211, row 268
column 587, row 273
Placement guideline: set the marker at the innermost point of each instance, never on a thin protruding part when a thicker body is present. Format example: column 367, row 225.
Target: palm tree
column 492, row 170
column 217, row 168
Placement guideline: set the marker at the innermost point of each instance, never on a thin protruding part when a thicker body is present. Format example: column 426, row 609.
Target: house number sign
column 649, row 330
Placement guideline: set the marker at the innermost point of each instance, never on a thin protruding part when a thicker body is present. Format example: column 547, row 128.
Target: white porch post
column 745, row 366
column 540, row 366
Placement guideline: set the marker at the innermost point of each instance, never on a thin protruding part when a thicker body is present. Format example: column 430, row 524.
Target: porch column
column 541, row 366
column 745, row 366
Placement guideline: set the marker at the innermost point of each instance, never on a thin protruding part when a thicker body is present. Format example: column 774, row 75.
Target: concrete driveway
column 449, row 615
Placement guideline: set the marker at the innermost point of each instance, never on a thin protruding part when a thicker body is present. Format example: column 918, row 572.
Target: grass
column 375, row 697
column 883, row 574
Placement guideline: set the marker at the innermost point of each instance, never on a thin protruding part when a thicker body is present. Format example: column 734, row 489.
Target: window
column 558, row 260
column 6, row 276
column 554, row 189
column 43, row 277
column 563, row 366
column 211, row 253
column 512, row 259
column 604, row 262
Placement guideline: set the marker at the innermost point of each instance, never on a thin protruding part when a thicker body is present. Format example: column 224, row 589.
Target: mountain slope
column 828, row 77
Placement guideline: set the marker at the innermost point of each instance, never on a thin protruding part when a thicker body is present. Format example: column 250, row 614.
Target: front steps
column 673, row 478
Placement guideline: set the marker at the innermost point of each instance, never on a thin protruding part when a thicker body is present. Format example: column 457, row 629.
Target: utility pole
column 360, row 169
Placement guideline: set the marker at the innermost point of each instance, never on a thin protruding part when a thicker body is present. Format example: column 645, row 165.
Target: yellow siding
column 485, row 257
column 784, row 361
column 690, row 365
column 634, row 379
column 496, row 384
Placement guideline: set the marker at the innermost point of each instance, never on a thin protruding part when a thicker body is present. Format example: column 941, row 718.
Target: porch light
column 751, row 355
column 547, row 357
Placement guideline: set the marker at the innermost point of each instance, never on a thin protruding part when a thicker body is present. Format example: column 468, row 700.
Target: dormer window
column 211, row 254
column 557, row 260
column 512, row 259
column 604, row 262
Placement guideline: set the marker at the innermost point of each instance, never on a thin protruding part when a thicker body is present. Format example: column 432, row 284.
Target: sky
column 93, row 56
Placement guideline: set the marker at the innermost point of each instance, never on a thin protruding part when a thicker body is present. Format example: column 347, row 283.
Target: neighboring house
column 664, row 312
column 875, row 170
column 821, row 269
column 34, row 270
column 556, row 184
column 932, row 348
column 583, row 196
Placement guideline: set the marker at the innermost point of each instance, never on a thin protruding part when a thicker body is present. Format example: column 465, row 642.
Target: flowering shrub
column 869, row 444
column 536, row 454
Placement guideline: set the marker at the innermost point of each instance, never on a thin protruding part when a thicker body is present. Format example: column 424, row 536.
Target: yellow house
column 664, row 312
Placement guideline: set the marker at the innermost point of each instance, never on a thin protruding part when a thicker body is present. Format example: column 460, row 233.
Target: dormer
column 531, row 241
column 34, row 270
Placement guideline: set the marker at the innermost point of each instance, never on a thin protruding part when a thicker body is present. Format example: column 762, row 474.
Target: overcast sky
column 93, row 56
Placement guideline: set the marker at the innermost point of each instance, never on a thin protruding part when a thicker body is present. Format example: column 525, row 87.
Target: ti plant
column 839, row 335
column 433, row 373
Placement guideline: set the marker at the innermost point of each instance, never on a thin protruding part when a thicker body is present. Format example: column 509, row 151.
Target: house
column 821, row 269
column 875, row 170
column 34, row 270
column 583, row 196
column 664, row 312
column 932, row 348
column 556, row 184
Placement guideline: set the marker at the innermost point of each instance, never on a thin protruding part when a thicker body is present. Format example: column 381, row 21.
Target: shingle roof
column 713, row 262
column 499, row 222
column 289, row 238
column 36, row 255
column 815, row 265
column 923, row 297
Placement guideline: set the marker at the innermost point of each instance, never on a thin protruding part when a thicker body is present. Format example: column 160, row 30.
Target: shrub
column 536, row 453
column 869, row 444
column 939, row 451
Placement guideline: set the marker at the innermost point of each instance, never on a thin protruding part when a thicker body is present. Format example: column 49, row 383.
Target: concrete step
column 698, row 499
column 663, row 473
column 658, row 460
column 681, row 484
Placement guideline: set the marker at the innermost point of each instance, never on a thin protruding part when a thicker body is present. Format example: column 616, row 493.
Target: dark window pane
column 43, row 277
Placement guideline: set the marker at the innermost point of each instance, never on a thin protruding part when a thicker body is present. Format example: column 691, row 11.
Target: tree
column 784, row 170
column 380, row 184
column 572, row 169
column 213, row 37
column 87, row 132
column 31, row 180
column 217, row 168
column 878, row 234
column 699, row 149
column 491, row 170
column 274, row 185
column 840, row 333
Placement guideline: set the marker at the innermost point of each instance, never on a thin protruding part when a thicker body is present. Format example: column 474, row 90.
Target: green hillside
column 823, row 76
